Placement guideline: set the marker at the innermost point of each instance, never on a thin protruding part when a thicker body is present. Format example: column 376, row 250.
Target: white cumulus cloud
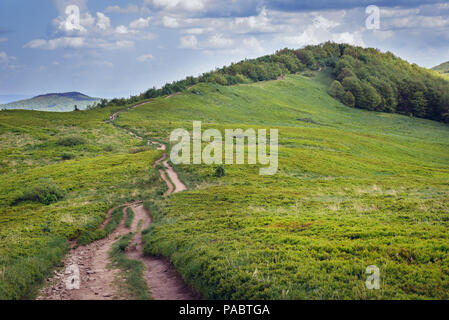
column 64, row 42
column 189, row 42
column 103, row 22
column 140, row 23
column 218, row 41
column 145, row 57
column 182, row 5
column 170, row 22
column 117, row 9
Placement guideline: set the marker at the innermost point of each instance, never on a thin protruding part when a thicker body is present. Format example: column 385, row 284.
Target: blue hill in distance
column 56, row 102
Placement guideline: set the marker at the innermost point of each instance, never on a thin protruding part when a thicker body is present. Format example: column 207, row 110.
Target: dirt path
column 86, row 274
column 89, row 264
column 179, row 186
column 163, row 280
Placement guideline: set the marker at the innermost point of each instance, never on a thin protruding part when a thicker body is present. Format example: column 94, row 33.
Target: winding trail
column 90, row 263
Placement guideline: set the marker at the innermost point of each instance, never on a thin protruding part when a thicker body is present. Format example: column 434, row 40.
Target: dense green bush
column 67, row 156
column 71, row 141
column 46, row 192
column 220, row 172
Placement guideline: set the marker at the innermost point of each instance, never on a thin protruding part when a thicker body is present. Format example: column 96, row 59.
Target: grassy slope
column 354, row 189
column 443, row 68
column 102, row 174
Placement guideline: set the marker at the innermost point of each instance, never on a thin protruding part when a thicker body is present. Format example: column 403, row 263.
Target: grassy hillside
column 92, row 164
column 355, row 188
column 56, row 102
column 442, row 68
column 364, row 78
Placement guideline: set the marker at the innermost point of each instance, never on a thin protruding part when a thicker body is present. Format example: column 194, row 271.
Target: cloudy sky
column 122, row 47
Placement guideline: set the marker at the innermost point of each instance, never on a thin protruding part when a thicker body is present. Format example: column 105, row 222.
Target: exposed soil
column 163, row 280
column 96, row 279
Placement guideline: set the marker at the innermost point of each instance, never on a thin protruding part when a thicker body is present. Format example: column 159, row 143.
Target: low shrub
column 67, row 156
column 139, row 150
column 108, row 148
column 71, row 141
column 46, row 192
column 220, row 172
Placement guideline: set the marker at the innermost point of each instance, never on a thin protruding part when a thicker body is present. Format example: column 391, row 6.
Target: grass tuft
column 134, row 269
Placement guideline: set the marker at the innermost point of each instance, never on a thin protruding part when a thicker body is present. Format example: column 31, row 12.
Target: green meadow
column 93, row 165
column 355, row 188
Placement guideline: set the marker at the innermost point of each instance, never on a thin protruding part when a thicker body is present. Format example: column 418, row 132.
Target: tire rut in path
column 162, row 279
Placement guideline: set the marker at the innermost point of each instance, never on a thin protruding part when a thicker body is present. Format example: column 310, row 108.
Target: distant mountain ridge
column 442, row 68
column 57, row 102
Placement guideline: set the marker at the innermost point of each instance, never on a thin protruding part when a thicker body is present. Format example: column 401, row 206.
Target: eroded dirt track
column 162, row 279
column 96, row 280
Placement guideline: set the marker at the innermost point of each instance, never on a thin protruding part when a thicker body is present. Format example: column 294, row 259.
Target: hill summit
column 442, row 68
column 363, row 78
column 58, row 102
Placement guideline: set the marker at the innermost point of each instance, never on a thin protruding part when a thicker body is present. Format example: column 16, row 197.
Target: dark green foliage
column 71, row 141
column 348, row 99
column 67, row 156
column 45, row 192
column 382, row 82
column 220, row 172
column 108, row 148
column 369, row 99
column 139, row 150
column 336, row 90
column 306, row 57
column 98, row 105
column 345, row 73
column 418, row 104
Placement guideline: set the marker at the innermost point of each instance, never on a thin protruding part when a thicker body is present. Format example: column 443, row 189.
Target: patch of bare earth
column 162, row 279
column 96, row 280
